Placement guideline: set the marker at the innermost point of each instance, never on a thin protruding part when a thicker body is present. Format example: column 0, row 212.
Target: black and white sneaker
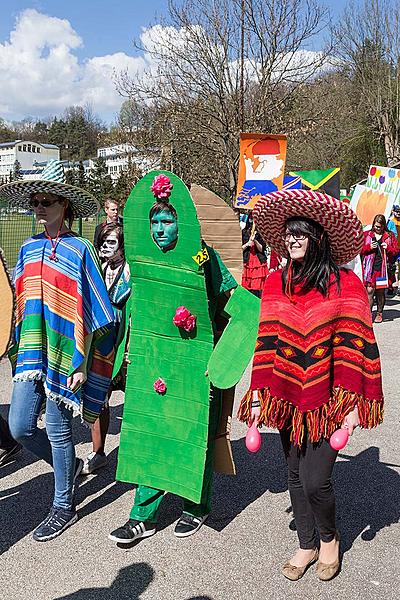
column 188, row 525
column 55, row 523
column 131, row 531
column 7, row 454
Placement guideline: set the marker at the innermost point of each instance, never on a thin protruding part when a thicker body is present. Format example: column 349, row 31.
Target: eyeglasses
column 298, row 237
column 44, row 203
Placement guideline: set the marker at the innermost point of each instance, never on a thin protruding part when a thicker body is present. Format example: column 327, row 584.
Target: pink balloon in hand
column 253, row 438
column 339, row 439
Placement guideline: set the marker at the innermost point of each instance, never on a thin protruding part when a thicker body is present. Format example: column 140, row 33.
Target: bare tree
column 368, row 46
column 193, row 84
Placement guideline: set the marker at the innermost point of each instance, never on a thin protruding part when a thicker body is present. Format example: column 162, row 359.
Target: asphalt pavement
column 239, row 551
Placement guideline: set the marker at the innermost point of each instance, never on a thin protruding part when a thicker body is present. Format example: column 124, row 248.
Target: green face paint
column 164, row 229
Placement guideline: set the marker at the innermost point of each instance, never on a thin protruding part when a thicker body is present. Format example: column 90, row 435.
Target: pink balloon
column 253, row 439
column 339, row 439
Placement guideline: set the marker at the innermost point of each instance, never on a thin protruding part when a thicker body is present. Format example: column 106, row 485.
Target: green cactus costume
column 167, row 438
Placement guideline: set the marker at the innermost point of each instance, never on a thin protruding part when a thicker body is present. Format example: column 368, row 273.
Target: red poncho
column 316, row 359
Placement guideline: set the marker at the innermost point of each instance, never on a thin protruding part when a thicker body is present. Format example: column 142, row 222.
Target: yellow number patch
column 201, row 257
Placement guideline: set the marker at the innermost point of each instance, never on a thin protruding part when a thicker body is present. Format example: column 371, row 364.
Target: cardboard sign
column 367, row 203
column 261, row 167
column 6, row 307
column 220, row 228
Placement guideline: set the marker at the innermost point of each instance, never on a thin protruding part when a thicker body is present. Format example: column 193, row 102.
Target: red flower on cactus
column 190, row 323
column 161, row 186
column 160, row 386
column 184, row 319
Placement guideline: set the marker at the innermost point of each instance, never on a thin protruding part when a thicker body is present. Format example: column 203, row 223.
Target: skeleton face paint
column 109, row 246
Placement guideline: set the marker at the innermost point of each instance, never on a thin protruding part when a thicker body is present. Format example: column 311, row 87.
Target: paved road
column 238, row 553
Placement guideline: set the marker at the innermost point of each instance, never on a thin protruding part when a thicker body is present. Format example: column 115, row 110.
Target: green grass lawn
column 16, row 227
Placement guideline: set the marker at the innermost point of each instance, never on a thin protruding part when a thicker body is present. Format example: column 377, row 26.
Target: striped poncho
column 316, row 359
column 59, row 302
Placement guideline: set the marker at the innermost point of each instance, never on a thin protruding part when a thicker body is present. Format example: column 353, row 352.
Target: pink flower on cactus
column 190, row 323
column 184, row 319
column 181, row 314
column 160, row 386
column 161, row 186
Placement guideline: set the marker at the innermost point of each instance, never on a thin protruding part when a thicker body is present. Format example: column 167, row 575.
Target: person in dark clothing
column 8, row 446
column 255, row 267
column 111, row 208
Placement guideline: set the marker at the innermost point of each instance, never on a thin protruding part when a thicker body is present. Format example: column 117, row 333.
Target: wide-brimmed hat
column 344, row 229
column 18, row 193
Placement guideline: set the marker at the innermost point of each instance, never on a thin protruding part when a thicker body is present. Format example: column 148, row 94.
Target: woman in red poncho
column 316, row 366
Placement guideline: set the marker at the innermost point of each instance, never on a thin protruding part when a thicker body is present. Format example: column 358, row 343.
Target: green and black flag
column 327, row 181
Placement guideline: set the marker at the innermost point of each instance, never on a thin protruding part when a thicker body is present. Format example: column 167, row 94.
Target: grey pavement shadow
column 256, row 474
column 129, row 584
column 88, row 486
column 367, row 496
column 23, row 507
column 390, row 315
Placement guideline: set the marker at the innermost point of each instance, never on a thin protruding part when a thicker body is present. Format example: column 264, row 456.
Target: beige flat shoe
column 326, row 572
column 295, row 573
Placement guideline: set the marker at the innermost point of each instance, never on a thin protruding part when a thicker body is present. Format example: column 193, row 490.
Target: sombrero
column 344, row 229
column 18, row 193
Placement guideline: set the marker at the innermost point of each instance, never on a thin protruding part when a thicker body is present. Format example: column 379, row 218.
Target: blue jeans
column 53, row 444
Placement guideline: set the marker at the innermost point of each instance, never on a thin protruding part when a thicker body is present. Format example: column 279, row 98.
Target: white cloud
column 41, row 75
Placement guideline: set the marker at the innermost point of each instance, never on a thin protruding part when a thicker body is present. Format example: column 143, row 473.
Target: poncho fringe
column 321, row 422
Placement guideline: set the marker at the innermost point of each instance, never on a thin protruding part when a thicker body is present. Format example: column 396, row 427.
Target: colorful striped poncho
column 59, row 302
column 316, row 359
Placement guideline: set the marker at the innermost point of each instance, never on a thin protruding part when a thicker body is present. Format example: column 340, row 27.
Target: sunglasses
column 44, row 203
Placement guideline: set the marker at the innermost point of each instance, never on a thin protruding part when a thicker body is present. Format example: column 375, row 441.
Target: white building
column 117, row 158
column 27, row 154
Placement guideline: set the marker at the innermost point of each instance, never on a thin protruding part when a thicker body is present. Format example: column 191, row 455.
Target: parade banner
column 261, row 167
column 327, row 180
column 367, row 203
column 386, row 180
column 291, row 183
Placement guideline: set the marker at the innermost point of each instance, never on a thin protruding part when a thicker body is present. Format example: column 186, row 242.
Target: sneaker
column 92, row 462
column 378, row 318
column 55, row 523
column 6, row 454
column 188, row 525
column 78, row 468
column 131, row 531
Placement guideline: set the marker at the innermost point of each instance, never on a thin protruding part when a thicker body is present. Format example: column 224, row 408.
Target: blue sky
column 54, row 54
column 106, row 26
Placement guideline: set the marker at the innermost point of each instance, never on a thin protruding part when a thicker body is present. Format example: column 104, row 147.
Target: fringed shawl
column 316, row 359
column 59, row 303
column 368, row 254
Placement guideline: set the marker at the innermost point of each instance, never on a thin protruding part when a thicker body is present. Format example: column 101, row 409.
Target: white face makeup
column 109, row 246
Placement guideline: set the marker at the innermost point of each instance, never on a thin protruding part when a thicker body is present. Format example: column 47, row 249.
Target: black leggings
column 310, row 489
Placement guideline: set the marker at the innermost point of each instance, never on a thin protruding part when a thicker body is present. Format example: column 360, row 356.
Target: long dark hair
column 382, row 220
column 318, row 266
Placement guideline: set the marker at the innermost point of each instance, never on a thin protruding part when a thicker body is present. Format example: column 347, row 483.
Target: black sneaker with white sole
column 188, row 525
column 7, row 454
column 55, row 523
column 131, row 531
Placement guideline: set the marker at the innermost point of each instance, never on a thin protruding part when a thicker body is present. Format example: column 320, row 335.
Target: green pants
column 147, row 502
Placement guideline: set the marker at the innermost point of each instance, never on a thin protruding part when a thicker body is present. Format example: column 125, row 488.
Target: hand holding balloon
column 253, row 438
column 339, row 439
